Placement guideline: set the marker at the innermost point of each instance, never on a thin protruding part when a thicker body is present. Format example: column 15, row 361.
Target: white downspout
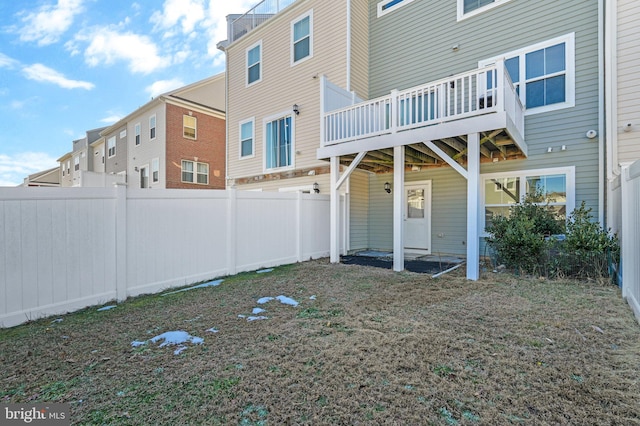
column 610, row 97
column 602, row 188
column 349, row 45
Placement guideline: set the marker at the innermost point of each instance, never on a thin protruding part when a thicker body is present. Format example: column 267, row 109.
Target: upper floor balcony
column 445, row 111
column 258, row 14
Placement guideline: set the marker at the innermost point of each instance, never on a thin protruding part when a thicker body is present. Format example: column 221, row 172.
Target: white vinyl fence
column 630, row 235
column 63, row 249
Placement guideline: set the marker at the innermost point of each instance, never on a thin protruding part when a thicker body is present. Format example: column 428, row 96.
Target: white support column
column 398, row 208
column 473, row 206
column 334, row 246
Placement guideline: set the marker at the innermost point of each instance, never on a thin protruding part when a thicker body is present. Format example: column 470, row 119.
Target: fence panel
column 63, row 249
column 630, row 236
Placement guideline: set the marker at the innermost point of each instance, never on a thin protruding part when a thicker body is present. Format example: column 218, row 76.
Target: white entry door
column 417, row 217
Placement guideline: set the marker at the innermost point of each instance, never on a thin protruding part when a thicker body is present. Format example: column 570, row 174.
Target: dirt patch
column 363, row 346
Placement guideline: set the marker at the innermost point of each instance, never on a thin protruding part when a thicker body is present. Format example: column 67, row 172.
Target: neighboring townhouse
column 49, row 177
column 78, row 164
column 470, row 106
column 622, row 55
column 176, row 140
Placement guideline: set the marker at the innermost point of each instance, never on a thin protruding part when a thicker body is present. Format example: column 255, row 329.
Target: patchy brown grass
column 373, row 347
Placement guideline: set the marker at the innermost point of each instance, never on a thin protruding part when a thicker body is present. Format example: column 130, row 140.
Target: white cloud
column 113, row 118
column 106, row 46
column 14, row 168
column 49, row 22
column 7, row 62
column 39, row 72
column 186, row 12
column 163, row 86
column 216, row 24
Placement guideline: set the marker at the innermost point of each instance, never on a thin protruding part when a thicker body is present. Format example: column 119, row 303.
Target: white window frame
column 251, row 120
column 195, row 172
column 155, row 170
column 111, row 154
column 569, row 172
column 482, row 9
column 76, row 163
column 195, row 127
column 246, row 68
column 137, row 137
column 269, row 119
column 153, row 131
column 382, row 4
column 569, row 72
column 309, row 15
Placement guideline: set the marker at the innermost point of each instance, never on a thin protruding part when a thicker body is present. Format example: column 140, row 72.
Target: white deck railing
column 481, row 91
column 257, row 15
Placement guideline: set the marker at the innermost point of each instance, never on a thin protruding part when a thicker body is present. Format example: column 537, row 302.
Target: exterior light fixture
column 296, row 109
column 387, row 187
column 316, row 188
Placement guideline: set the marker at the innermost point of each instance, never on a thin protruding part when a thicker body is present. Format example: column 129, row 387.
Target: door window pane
column 415, row 204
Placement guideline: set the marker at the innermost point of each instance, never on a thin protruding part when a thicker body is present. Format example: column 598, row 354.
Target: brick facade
column 208, row 147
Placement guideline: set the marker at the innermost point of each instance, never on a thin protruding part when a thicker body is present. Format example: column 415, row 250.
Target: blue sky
column 68, row 66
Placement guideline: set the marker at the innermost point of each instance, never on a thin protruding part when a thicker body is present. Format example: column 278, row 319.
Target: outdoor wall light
column 296, row 109
column 316, row 188
column 136, row 169
column 387, row 187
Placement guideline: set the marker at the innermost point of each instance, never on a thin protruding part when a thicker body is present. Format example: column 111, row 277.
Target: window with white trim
column 246, row 138
column 388, row 6
column 194, row 172
column 189, row 126
column 278, row 143
column 302, row 38
column 152, row 127
column 111, row 147
column 468, row 8
column 76, row 163
column 68, row 166
column 137, row 132
column 503, row 190
column 155, row 170
column 254, row 63
column 543, row 74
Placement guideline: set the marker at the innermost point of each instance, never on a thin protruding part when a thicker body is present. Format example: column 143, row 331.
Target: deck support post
column 334, row 208
column 473, row 206
column 398, row 208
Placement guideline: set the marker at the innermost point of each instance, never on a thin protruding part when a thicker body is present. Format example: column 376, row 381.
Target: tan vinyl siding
column 628, row 88
column 360, row 48
column 420, row 36
column 284, row 85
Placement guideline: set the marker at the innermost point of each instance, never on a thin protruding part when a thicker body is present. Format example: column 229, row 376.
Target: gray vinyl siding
column 448, row 210
column 413, row 45
column 359, row 211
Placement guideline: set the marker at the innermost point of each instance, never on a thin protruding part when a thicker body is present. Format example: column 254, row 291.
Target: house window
column 144, row 177
column 152, row 127
column 387, row 6
column 468, row 8
column 278, row 143
column 503, row 190
column 194, row 172
column 76, row 163
column 254, row 59
column 111, row 147
column 301, row 38
column 68, row 166
column 137, row 133
column 189, row 126
column 155, row 170
column 246, row 138
column 543, row 74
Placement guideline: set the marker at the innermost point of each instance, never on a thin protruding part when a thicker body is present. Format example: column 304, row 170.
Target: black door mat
column 420, row 266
